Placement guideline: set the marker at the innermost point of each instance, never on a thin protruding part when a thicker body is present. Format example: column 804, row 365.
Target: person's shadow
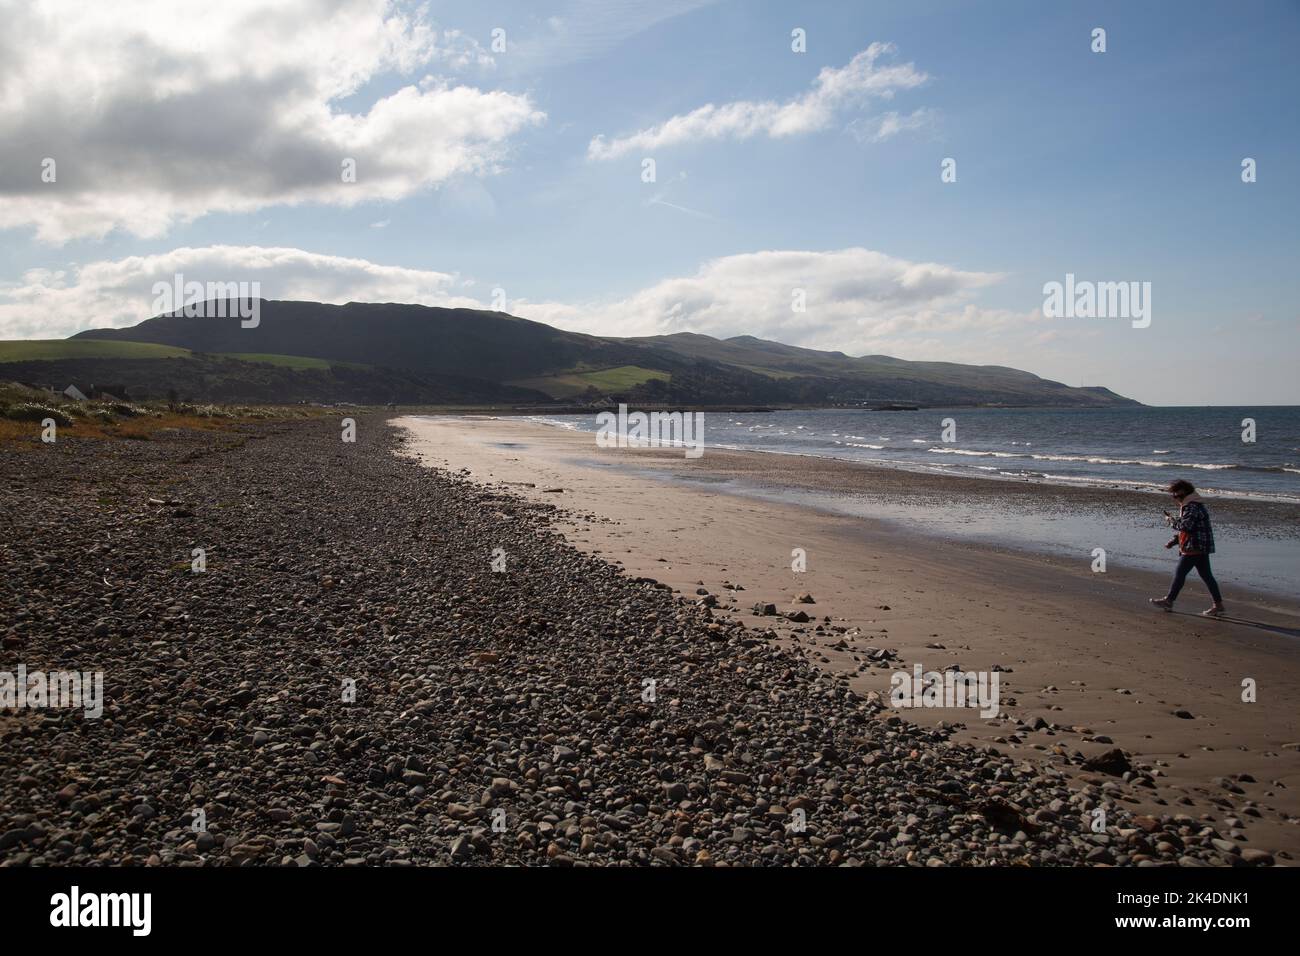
column 1229, row 619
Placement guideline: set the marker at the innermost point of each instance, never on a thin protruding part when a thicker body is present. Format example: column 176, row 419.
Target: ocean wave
column 1013, row 462
column 977, row 454
column 1102, row 460
column 553, row 422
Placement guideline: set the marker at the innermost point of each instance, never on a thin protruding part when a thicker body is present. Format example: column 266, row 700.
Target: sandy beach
column 386, row 664
column 1085, row 666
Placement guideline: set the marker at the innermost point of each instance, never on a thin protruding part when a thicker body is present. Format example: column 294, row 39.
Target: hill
column 377, row 350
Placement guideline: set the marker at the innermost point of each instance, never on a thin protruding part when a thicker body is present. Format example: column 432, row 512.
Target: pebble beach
column 384, row 663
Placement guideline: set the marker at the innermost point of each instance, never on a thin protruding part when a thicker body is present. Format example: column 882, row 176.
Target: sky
column 874, row 178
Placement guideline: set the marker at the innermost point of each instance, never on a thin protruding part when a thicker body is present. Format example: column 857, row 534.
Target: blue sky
column 477, row 171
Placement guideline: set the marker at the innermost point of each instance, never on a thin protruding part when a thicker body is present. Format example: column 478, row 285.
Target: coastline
column 1080, row 652
column 1258, row 534
column 350, row 681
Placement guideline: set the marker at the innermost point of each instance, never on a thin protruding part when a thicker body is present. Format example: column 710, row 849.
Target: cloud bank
column 111, row 294
column 156, row 114
column 855, row 300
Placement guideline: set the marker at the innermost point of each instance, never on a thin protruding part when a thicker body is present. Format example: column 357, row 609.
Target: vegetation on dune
column 35, row 412
column 23, row 409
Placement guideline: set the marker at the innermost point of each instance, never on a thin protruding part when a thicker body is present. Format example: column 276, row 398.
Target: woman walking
column 1195, row 542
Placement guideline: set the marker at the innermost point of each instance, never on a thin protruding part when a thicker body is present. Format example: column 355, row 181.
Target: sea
column 1141, row 448
column 1232, row 452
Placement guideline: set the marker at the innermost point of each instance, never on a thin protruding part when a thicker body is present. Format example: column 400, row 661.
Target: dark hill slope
column 492, row 347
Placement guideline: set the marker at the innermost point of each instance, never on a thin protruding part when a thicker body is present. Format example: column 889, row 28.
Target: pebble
column 472, row 692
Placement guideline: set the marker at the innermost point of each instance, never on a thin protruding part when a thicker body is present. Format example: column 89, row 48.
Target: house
column 74, row 393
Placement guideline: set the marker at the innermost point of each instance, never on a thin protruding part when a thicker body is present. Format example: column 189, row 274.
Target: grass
column 577, row 381
column 23, row 408
column 287, row 361
column 49, row 350
column 139, row 429
column 772, row 372
column 53, row 350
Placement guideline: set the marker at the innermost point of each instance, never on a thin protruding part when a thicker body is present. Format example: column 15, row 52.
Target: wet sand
column 1079, row 650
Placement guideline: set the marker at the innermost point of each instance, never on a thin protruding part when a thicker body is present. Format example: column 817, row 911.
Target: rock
column 11, row 838
column 1114, row 762
column 478, row 692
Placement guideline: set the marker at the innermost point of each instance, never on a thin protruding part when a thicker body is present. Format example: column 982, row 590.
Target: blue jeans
column 1201, row 562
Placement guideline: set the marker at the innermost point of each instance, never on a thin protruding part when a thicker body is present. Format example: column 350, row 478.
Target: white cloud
column 857, row 300
column 834, row 90
column 877, row 129
column 49, row 303
column 160, row 113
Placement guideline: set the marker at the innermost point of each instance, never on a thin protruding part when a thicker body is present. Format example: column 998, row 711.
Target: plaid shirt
column 1193, row 526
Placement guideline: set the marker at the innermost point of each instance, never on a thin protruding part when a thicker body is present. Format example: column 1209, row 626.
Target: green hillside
column 577, row 381
column 287, row 361
column 405, row 349
column 47, row 350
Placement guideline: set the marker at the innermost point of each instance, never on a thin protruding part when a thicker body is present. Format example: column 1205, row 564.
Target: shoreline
column 942, row 471
column 1052, row 481
column 351, row 681
column 1078, row 650
column 1123, row 520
